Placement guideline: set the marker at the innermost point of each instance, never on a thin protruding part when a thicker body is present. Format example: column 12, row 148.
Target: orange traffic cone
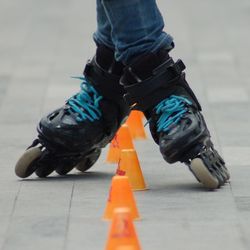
column 141, row 115
column 114, row 151
column 122, row 140
column 120, row 195
column 124, row 137
column 122, row 233
column 135, row 125
column 127, row 247
column 129, row 166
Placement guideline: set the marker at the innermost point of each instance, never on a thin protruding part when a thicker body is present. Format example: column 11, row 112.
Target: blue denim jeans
column 130, row 28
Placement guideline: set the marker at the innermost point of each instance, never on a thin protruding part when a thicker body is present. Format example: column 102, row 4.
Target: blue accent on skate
column 171, row 110
column 86, row 102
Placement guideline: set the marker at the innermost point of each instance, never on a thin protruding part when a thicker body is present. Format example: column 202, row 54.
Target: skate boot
column 156, row 85
column 73, row 135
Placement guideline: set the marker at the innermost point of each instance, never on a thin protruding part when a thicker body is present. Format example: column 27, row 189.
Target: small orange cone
column 129, row 166
column 122, row 140
column 135, row 125
column 122, row 234
column 124, row 137
column 127, row 247
column 120, row 195
column 142, row 115
column 114, row 151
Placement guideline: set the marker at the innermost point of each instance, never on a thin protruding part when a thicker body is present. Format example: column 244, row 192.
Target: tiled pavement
column 42, row 43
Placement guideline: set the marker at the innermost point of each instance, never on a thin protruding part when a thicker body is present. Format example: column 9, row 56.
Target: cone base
column 140, row 189
column 109, row 219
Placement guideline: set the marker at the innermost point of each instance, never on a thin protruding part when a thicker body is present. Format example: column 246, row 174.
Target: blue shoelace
column 86, row 102
column 171, row 110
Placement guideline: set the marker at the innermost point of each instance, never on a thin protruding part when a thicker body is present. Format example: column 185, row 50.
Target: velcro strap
column 147, row 93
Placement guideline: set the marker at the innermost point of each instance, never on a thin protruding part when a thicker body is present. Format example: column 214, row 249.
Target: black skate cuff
column 106, row 83
column 145, row 94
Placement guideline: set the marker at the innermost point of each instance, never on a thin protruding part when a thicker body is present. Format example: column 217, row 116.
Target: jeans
column 131, row 28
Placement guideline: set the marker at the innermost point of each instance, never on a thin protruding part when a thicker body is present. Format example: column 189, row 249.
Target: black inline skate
column 156, row 85
column 73, row 135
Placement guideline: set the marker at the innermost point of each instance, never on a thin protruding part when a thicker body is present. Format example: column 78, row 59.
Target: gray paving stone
column 28, row 96
column 237, row 156
column 192, row 236
column 4, row 82
column 240, row 180
column 4, row 225
column 87, row 233
column 228, row 137
column 227, row 95
column 243, row 204
column 230, row 112
column 36, row 232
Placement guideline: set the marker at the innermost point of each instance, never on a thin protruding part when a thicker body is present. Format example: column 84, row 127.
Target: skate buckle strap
column 147, row 93
column 171, row 110
column 85, row 103
column 176, row 68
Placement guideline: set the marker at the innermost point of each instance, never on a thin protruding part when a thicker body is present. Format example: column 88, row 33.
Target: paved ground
column 42, row 43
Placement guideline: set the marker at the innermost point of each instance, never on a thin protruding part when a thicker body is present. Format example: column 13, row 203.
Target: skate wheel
column 63, row 170
column 223, row 169
column 89, row 161
column 24, row 166
column 226, row 172
column 199, row 169
column 44, row 171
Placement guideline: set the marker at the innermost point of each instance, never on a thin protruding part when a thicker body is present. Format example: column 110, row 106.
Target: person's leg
column 103, row 32
column 136, row 28
column 155, row 84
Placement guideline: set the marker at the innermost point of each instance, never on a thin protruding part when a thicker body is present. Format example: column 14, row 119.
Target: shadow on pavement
column 72, row 177
column 182, row 187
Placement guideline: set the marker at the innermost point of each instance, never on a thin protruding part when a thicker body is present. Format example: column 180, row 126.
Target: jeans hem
column 99, row 39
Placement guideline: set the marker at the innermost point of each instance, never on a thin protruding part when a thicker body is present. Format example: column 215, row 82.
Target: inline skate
column 155, row 84
column 74, row 135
